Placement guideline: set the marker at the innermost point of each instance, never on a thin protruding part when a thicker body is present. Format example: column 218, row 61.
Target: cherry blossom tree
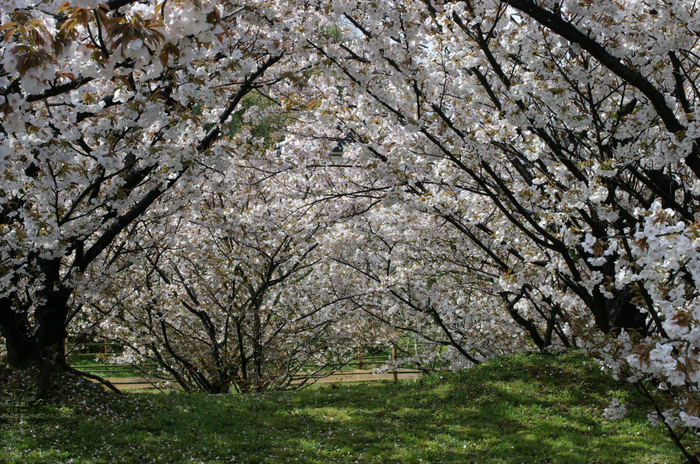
column 104, row 109
column 233, row 294
column 558, row 137
column 407, row 269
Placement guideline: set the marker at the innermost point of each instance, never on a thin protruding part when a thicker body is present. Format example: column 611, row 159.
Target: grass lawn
column 523, row 409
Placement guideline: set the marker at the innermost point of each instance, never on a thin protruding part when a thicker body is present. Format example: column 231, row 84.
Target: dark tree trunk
column 51, row 331
column 51, row 336
column 257, row 350
column 14, row 327
column 46, row 347
column 42, row 342
column 51, row 315
column 623, row 314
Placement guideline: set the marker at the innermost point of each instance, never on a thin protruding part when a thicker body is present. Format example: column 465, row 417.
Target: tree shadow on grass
column 514, row 414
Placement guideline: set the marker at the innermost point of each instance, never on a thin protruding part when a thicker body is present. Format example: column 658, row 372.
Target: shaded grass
column 522, row 409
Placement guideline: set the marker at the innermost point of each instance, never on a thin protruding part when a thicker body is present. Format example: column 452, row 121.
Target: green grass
column 523, row 409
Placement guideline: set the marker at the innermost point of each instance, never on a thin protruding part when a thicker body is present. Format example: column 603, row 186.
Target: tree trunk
column 43, row 342
column 51, row 331
column 257, row 350
column 14, row 327
column 51, row 337
column 51, row 314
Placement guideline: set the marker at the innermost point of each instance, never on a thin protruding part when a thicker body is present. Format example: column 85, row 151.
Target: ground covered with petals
column 526, row 408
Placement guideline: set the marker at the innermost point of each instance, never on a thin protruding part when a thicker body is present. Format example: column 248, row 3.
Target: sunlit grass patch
column 527, row 408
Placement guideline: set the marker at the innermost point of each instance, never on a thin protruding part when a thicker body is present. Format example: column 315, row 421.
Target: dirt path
column 131, row 383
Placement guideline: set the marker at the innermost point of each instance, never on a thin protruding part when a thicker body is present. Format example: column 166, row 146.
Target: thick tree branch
column 559, row 25
column 141, row 206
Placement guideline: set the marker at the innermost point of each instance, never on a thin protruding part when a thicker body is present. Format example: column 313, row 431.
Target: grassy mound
column 522, row 409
